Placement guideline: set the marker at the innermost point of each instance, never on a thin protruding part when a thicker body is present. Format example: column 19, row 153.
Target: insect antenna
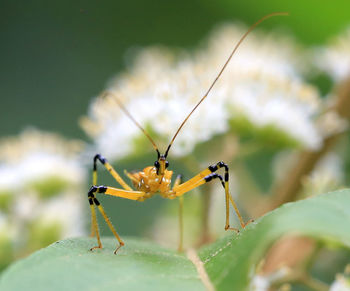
column 122, row 107
column 221, row 71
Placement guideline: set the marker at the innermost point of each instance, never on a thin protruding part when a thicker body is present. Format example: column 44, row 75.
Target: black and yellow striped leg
column 213, row 176
column 110, row 169
column 94, row 202
column 206, row 176
column 228, row 197
column 181, row 226
column 94, row 224
column 114, row 174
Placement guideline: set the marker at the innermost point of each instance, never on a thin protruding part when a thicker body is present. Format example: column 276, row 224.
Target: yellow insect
column 157, row 179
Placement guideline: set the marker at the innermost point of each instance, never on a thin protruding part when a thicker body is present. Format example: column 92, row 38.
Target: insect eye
column 156, row 164
column 166, row 164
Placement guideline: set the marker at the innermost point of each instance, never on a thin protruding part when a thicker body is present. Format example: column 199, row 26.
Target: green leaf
column 230, row 261
column 69, row 265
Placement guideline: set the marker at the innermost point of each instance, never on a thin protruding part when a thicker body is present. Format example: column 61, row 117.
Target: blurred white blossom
column 41, row 189
column 263, row 282
column 328, row 174
column 260, row 91
column 331, row 123
column 64, row 210
column 341, row 283
column 334, row 58
column 36, row 156
column 260, row 283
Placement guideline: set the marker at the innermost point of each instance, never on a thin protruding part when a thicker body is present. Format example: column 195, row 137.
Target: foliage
column 229, row 262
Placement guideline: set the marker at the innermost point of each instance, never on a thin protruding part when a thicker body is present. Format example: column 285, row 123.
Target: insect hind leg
column 228, row 196
column 213, row 176
column 206, row 176
column 181, row 203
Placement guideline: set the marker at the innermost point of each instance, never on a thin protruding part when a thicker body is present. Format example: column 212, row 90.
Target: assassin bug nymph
column 157, row 179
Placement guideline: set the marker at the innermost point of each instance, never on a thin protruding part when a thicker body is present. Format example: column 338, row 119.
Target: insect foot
column 227, row 227
column 120, row 245
column 97, row 247
column 249, row 221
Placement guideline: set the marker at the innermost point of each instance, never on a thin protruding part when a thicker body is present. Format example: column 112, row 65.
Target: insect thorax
column 149, row 181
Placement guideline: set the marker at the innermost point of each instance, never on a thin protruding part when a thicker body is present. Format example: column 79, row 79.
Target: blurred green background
column 57, row 55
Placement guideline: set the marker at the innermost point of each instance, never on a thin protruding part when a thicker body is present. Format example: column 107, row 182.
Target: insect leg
column 228, row 195
column 181, row 202
column 206, row 176
column 110, row 169
column 133, row 195
column 94, row 224
column 114, row 174
column 213, row 176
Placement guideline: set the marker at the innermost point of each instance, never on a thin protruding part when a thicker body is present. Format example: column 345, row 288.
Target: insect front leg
column 228, row 196
column 114, row 174
column 133, row 195
column 110, row 169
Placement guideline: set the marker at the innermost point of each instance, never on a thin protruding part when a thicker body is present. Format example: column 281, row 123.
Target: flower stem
column 287, row 190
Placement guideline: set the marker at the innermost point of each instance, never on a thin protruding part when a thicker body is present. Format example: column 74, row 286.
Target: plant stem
column 313, row 283
column 288, row 189
column 303, row 278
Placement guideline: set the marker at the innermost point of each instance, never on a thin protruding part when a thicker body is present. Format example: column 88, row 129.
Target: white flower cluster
column 334, row 59
column 40, row 190
column 341, row 283
column 264, row 282
column 328, row 174
column 261, row 90
column 52, row 155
